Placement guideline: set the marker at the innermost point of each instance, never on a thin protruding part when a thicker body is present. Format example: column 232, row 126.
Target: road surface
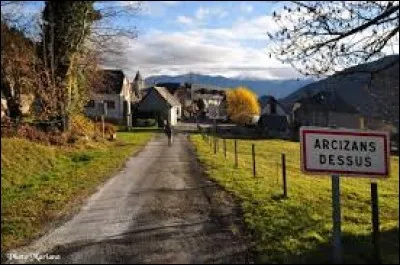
column 159, row 209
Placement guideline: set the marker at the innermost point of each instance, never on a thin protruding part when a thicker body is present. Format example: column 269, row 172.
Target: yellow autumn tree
column 242, row 105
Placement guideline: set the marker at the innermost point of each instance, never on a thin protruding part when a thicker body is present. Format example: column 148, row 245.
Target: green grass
column 298, row 229
column 41, row 184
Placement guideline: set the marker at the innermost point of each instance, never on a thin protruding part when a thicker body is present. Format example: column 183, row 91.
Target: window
column 110, row 104
column 90, row 104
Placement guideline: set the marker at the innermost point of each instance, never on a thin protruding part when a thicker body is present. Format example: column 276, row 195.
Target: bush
column 32, row 134
column 109, row 129
column 58, row 138
column 145, row 122
column 42, row 132
column 7, row 127
column 82, row 126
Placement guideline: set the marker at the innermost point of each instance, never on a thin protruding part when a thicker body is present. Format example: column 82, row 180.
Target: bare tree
column 109, row 33
column 22, row 15
column 66, row 66
column 322, row 37
column 17, row 62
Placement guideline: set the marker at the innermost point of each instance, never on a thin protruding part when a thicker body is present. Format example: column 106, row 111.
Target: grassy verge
column 298, row 229
column 41, row 183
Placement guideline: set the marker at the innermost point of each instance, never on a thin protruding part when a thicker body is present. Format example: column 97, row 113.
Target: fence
column 248, row 157
column 268, row 172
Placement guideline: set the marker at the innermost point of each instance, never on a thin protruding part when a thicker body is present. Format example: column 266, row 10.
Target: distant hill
column 276, row 88
column 376, row 98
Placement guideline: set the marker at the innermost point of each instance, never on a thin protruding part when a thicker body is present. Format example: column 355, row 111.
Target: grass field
column 298, row 229
column 41, row 184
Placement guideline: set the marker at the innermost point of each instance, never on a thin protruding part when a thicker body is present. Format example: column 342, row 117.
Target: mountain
column 376, row 97
column 276, row 88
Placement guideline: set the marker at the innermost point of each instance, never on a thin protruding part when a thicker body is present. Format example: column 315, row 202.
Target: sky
column 207, row 37
column 226, row 38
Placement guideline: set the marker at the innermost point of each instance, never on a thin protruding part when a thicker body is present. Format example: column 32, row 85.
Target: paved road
column 159, row 209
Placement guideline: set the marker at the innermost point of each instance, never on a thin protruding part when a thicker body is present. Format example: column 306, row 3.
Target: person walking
column 168, row 132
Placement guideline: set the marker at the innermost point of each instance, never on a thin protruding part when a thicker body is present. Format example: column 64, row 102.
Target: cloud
column 254, row 29
column 204, row 13
column 180, row 52
column 184, row 20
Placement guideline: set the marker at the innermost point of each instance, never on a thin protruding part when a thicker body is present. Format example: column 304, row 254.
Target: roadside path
column 159, row 209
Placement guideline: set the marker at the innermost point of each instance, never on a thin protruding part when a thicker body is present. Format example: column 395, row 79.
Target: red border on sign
column 311, row 131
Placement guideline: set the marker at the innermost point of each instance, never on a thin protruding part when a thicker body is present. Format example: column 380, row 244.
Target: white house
column 161, row 105
column 115, row 91
column 209, row 96
column 4, row 106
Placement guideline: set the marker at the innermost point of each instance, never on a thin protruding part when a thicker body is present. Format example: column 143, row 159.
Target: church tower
column 138, row 85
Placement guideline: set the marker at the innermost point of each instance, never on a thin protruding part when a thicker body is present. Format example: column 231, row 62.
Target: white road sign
column 344, row 151
column 213, row 111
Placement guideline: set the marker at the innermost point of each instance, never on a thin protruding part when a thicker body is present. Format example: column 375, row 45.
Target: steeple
column 138, row 77
column 138, row 84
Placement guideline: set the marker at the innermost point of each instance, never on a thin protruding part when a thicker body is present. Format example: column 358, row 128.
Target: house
column 158, row 103
column 371, row 89
column 271, row 106
column 223, row 109
column 189, row 95
column 205, row 96
column 4, row 107
column 209, row 96
column 274, row 118
column 183, row 92
column 327, row 108
column 274, row 125
column 20, row 104
column 112, row 92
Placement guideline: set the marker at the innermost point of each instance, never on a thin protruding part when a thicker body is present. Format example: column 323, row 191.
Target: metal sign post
column 215, row 136
column 375, row 222
column 352, row 153
column 336, row 218
column 213, row 114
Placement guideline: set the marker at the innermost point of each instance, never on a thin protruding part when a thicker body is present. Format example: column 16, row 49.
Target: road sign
column 213, row 111
column 344, row 151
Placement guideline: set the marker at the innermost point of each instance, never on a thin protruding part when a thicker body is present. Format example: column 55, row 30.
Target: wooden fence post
column 284, row 175
column 236, row 156
column 253, row 153
column 224, row 147
column 102, row 125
